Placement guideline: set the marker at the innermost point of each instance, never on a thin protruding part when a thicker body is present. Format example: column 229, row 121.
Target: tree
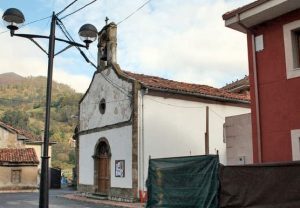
column 16, row 118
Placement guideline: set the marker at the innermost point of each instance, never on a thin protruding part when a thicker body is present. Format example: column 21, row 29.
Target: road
column 31, row 200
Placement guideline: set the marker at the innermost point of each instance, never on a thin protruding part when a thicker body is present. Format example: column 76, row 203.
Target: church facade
column 126, row 118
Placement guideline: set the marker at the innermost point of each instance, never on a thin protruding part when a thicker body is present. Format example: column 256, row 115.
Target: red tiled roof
column 28, row 135
column 237, row 83
column 25, row 155
column 232, row 13
column 186, row 88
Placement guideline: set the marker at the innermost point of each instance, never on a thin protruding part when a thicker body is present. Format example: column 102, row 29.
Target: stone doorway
column 102, row 167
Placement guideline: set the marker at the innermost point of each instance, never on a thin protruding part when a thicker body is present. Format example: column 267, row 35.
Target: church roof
column 16, row 156
column 161, row 84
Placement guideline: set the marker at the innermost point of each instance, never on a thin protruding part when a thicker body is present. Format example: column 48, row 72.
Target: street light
column 88, row 33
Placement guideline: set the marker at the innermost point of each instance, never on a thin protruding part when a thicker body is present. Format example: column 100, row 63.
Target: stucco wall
column 38, row 151
column 117, row 103
column 9, row 140
column 175, row 127
column 279, row 98
column 118, row 110
column 28, row 177
column 120, row 141
column 238, row 134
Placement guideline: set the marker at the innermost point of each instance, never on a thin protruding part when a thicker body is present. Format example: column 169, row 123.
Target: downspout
column 142, row 148
column 257, row 106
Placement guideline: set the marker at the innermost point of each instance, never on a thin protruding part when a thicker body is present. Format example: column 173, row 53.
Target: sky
column 182, row 40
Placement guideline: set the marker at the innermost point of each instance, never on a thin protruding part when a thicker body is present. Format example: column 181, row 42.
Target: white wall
column 117, row 103
column 118, row 109
column 120, row 141
column 174, row 127
column 238, row 133
column 295, row 141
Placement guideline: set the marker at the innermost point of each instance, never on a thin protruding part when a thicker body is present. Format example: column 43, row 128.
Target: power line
column 29, row 23
column 64, row 103
column 177, row 106
column 218, row 115
column 66, row 7
column 78, row 9
column 135, row 11
column 69, row 37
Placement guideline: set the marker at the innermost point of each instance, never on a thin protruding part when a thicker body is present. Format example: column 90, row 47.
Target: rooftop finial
column 106, row 20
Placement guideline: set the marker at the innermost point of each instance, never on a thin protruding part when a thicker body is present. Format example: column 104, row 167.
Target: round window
column 102, row 106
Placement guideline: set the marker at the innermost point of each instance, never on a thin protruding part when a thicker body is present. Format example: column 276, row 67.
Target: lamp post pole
column 88, row 33
column 44, row 185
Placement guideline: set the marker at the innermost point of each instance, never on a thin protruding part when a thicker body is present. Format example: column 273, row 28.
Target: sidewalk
column 81, row 198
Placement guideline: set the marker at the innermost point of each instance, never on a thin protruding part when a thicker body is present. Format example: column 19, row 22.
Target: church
column 126, row 118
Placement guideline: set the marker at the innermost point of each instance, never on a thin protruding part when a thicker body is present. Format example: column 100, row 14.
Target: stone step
column 97, row 196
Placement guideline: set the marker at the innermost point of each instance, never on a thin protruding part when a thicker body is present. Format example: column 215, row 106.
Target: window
column 295, row 137
column 102, row 106
column 16, row 176
column 291, row 33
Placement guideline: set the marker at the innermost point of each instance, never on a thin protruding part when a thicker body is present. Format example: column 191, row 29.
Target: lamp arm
column 31, row 36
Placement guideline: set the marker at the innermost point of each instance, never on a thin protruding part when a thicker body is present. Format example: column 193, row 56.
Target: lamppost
column 88, row 33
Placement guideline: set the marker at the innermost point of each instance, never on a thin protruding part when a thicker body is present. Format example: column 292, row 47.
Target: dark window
column 296, row 48
column 102, row 106
column 297, row 34
column 16, row 176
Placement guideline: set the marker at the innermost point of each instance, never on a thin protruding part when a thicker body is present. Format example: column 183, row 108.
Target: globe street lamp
column 88, row 33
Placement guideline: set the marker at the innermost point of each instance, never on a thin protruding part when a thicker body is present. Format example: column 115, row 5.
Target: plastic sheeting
column 260, row 186
column 183, row 182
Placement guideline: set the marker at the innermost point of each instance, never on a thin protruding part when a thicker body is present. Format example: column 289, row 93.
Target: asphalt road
column 31, row 200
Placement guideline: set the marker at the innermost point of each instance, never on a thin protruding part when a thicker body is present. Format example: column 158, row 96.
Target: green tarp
column 183, row 182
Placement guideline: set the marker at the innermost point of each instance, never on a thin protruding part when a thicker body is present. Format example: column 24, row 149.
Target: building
column 18, row 168
column 238, row 137
column 125, row 118
column 272, row 28
column 14, row 138
column 241, row 86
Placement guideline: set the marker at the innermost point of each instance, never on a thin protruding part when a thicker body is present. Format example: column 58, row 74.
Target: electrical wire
column 218, row 115
column 69, row 37
column 135, row 11
column 65, row 103
column 29, row 23
column 66, row 7
column 177, row 106
column 78, row 9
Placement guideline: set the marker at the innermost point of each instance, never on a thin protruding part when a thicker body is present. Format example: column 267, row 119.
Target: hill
column 22, row 104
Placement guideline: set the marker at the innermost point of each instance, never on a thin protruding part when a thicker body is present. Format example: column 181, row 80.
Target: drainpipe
column 142, row 148
column 258, row 126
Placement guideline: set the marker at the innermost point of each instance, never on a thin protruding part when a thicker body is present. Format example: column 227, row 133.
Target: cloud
column 175, row 39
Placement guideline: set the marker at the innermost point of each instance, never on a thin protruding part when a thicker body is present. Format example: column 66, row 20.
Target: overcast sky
column 183, row 40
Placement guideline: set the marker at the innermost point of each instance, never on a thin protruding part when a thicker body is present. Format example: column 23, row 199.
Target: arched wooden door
column 103, row 168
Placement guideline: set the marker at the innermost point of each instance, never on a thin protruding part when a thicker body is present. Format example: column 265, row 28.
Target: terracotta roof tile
column 182, row 87
column 28, row 135
column 239, row 82
column 25, row 155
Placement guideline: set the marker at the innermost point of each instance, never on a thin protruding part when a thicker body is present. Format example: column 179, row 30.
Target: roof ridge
column 186, row 88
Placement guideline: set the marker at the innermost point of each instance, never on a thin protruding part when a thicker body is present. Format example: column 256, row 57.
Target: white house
column 125, row 118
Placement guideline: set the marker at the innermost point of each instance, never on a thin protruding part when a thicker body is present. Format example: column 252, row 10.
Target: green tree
column 16, row 118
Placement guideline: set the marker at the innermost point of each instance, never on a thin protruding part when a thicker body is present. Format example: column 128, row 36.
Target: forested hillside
column 22, row 104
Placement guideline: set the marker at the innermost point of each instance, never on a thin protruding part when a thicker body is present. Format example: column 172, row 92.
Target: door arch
column 102, row 166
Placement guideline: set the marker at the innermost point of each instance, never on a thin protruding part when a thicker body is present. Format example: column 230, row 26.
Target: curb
column 81, row 198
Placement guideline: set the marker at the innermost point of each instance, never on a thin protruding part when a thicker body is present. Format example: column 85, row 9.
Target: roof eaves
column 234, row 12
column 211, row 97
